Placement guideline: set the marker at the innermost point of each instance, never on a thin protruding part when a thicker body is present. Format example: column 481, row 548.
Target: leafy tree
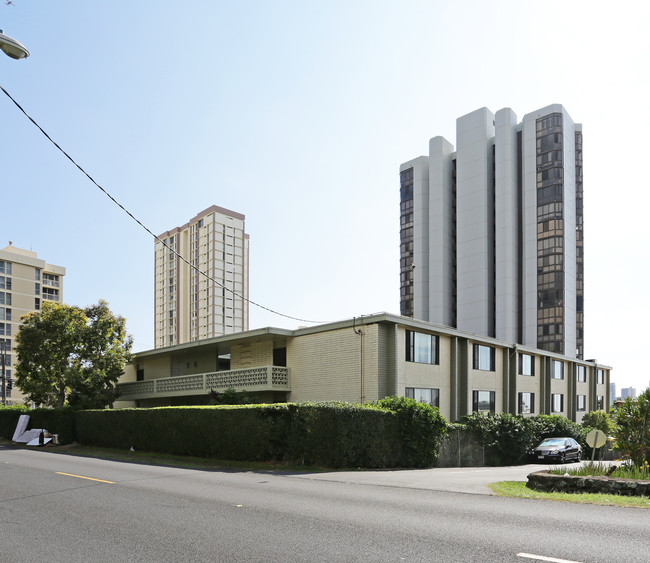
column 66, row 353
column 599, row 420
column 421, row 427
column 633, row 434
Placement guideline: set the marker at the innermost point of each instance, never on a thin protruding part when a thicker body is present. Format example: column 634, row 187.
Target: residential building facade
column 25, row 282
column 365, row 359
column 204, row 293
column 491, row 238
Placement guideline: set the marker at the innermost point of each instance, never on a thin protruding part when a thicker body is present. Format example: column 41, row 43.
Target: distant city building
column 612, row 393
column 365, row 359
column 25, row 282
column 491, row 233
column 628, row 392
column 188, row 305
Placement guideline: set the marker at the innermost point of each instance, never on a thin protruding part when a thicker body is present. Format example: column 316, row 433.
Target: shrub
column 507, row 437
column 599, row 420
column 554, row 425
column 420, row 429
column 633, row 428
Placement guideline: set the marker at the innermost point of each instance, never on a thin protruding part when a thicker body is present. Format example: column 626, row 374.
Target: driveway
column 474, row 480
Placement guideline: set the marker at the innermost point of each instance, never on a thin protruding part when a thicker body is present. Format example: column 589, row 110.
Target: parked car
column 556, row 450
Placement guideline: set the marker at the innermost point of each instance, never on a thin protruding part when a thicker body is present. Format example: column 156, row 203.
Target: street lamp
column 12, row 48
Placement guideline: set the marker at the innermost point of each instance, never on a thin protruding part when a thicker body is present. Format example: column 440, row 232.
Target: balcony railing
column 264, row 378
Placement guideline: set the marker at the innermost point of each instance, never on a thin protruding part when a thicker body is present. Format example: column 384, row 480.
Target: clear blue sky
column 298, row 114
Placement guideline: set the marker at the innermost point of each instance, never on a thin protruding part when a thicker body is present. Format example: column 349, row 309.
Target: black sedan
column 556, row 450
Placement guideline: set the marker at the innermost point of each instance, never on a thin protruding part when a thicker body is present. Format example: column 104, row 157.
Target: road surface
column 56, row 507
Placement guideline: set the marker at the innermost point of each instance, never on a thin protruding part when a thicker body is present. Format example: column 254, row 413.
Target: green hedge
column 507, row 437
column 55, row 421
column 327, row 434
column 9, row 419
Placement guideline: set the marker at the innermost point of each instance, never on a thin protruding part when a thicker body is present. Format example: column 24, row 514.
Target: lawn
column 518, row 489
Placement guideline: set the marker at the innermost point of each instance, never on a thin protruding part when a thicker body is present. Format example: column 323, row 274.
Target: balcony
column 264, row 378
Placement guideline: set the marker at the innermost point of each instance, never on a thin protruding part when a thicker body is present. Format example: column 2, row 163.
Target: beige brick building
column 25, row 282
column 188, row 306
column 364, row 359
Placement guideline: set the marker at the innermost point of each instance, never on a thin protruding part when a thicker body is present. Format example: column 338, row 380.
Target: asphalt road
column 56, row 507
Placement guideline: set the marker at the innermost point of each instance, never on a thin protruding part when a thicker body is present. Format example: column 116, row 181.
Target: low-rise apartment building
column 367, row 358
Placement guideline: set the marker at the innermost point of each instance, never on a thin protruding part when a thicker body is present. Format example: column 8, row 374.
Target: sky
column 298, row 114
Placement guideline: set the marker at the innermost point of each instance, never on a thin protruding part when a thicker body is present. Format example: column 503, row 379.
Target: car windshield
column 552, row 442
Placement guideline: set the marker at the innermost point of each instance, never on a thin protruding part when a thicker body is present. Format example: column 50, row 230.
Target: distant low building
column 25, row 282
column 364, row 359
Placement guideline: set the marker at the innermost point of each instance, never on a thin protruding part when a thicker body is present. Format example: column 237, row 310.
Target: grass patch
column 624, row 471
column 518, row 489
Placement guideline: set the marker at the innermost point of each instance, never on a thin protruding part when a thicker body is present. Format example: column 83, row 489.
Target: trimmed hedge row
column 327, row 434
column 9, row 419
column 56, row 421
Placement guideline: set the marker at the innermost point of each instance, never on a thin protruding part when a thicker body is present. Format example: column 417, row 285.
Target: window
column 5, row 283
column 600, row 379
column 37, row 303
column 581, row 374
column 483, row 401
column 526, row 364
column 557, row 369
column 557, row 402
column 526, row 403
column 50, row 293
column 5, row 298
column 483, row 357
column 280, row 357
column 582, row 403
column 600, row 403
column 428, row 396
column 5, row 329
column 37, row 288
column 37, row 274
column 5, row 267
column 421, row 348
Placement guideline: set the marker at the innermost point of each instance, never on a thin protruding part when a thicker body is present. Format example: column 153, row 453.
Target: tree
column 633, row 434
column 66, row 353
column 599, row 420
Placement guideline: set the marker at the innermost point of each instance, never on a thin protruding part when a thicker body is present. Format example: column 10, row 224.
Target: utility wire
column 192, row 266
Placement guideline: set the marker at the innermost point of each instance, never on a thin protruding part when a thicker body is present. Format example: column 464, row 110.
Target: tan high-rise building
column 25, row 282
column 189, row 305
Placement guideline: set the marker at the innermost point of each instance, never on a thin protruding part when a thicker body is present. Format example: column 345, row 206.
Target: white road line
column 544, row 558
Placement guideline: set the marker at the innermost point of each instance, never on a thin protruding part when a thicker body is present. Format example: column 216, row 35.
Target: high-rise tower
column 188, row 305
column 492, row 231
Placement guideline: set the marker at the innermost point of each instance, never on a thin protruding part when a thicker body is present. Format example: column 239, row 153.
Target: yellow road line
column 82, row 477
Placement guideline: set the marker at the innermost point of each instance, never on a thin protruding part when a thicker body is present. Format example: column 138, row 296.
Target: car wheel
column 563, row 458
column 579, row 457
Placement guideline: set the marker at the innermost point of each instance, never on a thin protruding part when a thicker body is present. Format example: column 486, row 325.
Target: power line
column 107, row 194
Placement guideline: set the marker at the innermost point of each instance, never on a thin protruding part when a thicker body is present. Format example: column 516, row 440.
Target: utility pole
column 4, row 377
